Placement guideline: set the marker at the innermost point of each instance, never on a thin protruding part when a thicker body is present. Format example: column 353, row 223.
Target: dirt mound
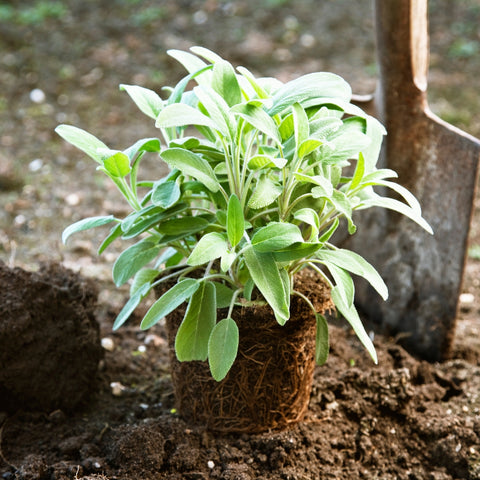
column 50, row 339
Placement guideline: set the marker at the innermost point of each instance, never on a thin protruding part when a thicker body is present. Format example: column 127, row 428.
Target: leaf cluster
column 262, row 173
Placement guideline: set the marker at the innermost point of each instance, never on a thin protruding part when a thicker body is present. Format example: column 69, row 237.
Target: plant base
column 270, row 382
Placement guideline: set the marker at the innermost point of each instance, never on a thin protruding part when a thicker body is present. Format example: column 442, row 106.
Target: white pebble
column 142, row 348
column 200, row 17
column 117, row 388
column 211, row 464
column 107, row 344
column 154, row 340
column 35, row 165
column 467, row 298
column 72, row 199
column 37, row 96
column 307, row 40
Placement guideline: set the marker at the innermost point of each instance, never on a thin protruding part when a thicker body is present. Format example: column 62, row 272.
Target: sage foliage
column 261, row 175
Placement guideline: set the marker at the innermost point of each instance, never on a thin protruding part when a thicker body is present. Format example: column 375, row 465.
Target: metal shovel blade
column 439, row 164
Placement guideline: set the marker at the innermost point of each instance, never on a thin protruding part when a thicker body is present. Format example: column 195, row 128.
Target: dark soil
column 50, row 339
column 403, row 419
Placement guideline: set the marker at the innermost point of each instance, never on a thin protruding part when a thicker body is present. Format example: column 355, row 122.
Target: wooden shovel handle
column 403, row 47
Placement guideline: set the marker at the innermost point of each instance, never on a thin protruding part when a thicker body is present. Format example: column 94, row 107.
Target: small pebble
column 117, row 388
column 211, row 464
column 108, row 344
column 72, row 199
column 467, row 298
column 37, row 96
column 154, row 340
column 35, row 165
column 142, row 348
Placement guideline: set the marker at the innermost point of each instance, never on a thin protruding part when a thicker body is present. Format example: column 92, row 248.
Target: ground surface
column 62, row 63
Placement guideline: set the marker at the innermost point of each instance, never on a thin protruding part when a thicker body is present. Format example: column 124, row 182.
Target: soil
column 401, row 419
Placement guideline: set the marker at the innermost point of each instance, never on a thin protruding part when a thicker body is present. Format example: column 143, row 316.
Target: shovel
column 439, row 164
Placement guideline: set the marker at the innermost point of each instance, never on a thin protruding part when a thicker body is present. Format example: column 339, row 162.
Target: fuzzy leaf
column 265, row 193
column 183, row 226
column 322, row 344
column 312, row 85
column 276, row 236
column 211, row 246
column 181, row 115
column 235, row 220
column 218, row 110
column 169, row 301
column 351, row 315
column 83, row 140
column 191, row 341
column 225, row 83
column 354, row 263
column 131, row 305
column 165, row 194
column 117, row 165
column 265, row 274
column 260, row 119
column 85, row 224
column 191, row 164
column 222, row 348
column 146, row 100
column 131, row 260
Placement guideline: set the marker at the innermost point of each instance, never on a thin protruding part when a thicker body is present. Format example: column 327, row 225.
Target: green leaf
column 326, row 187
column 261, row 161
column 191, row 341
column 83, row 140
column 115, row 232
column 225, row 83
column 276, row 236
column 131, row 305
column 142, row 277
column 322, row 345
column 165, row 194
column 169, row 301
column 258, row 89
column 222, row 348
column 300, row 126
column 310, row 217
column 211, row 246
column 143, row 145
column 192, row 64
column 397, row 206
column 308, row 146
column 235, row 220
column 359, row 172
column 265, row 193
column 313, row 85
column 191, row 164
column 226, row 261
column 218, row 110
column 181, row 115
column 351, row 315
column 117, row 165
column 352, row 262
column 146, row 100
column 183, row 226
column 223, row 295
column 260, row 119
column 344, row 283
column 296, row 251
column 265, row 274
column 131, row 260
column 85, row 224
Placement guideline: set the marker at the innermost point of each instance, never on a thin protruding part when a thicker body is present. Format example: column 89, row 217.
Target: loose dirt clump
column 50, row 339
